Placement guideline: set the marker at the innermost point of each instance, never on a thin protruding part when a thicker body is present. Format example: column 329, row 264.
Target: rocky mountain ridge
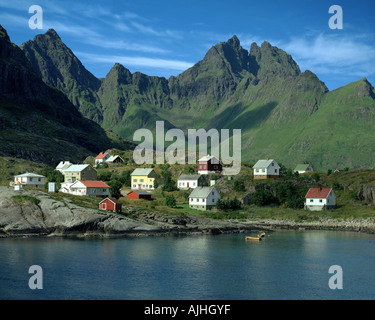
column 283, row 113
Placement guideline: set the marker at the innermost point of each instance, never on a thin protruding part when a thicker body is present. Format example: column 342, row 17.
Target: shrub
column 239, row 186
column 230, row 204
column 262, row 196
column 170, row 201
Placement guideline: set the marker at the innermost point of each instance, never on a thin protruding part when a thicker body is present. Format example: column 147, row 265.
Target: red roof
column 318, row 193
column 94, row 184
column 101, row 155
column 112, row 200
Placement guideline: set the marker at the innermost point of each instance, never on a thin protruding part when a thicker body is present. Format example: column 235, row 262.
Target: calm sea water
column 286, row 265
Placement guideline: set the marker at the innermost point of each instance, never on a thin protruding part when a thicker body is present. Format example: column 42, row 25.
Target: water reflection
column 285, row 265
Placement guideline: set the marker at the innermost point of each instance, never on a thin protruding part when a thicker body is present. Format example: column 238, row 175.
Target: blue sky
column 164, row 37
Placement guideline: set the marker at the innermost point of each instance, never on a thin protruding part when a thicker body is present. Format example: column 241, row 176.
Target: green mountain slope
column 38, row 122
column 283, row 113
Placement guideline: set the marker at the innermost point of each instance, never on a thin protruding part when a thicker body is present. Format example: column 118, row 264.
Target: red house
column 138, row 194
column 110, row 204
column 209, row 164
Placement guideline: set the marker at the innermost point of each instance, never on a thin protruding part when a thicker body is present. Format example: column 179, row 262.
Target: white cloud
column 332, row 54
column 136, row 61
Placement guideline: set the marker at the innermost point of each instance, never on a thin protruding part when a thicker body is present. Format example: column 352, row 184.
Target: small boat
column 254, row 238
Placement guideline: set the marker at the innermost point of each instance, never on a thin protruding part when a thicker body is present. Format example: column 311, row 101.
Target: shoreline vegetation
column 261, row 205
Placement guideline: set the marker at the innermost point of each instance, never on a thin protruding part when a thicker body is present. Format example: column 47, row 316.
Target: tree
column 170, row 201
column 316, row 177
column 156, row 184
column 169, row 184
column 329, row 172
column 262, row 196
column 126, row 178
column 239, row 186
column 230, row 204
column 114, row 188
column 53, row 175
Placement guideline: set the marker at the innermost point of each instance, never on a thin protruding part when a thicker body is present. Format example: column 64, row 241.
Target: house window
column 213, row 200
column 31, row 179
column 141, row 180
column 256, row 170
column 275, row 170
column 311, row 200
column 320, row 200
column 215, row 167
column 263, row 170
column 198, row 200
column 273, row 164
column 135, row 180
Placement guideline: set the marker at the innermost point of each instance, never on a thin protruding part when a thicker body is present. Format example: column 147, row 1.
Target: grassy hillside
column 283, row 114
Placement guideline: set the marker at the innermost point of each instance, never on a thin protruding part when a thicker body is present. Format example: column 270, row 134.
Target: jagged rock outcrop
column 52, row 217
column 367, row 193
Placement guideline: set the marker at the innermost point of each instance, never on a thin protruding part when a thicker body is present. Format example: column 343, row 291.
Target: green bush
column 170, row 201
column 230, row 204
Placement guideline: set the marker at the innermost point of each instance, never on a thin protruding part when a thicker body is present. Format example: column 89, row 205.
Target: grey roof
column 262, row 163
column 113, row 158
column 189, row 177
column 213, row 159
column 140, row 192
column 63, row 165
column 201, row 192
column 76, row 167
column 142, row 171
column 29, row 174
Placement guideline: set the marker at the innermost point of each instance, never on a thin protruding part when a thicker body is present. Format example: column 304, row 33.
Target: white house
column 89, row 188
column 190, row 181
column 115, row 159
column 101, row 157
column 265, row 169
column 318, row 199
column 30, row 180
column 63, row 165
column 203, row 198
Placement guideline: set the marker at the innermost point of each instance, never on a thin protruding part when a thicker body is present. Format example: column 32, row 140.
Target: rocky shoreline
column 52, row 218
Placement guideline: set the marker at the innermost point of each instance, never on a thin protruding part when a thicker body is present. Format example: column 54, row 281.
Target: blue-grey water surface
column 285, row 265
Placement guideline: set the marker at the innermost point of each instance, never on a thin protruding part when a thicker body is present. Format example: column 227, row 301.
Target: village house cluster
column 81, row 180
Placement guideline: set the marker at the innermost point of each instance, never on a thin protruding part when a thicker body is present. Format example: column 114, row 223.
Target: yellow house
column 79, row 172
column 143, row 178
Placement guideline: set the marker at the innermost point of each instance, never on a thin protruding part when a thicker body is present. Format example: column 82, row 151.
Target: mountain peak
column 234, row 42
column 4, row 33
column 53, row 33
column 273, row 60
